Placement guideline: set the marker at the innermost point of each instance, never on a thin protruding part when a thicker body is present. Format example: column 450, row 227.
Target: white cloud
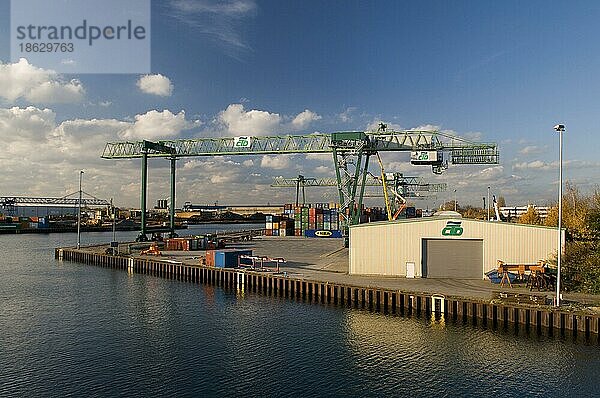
column 57, row 92
column 347, row 115
column 235, row 7
column 28, row 123
column 277, row 162
column 304, row 119
column 428, row 127
column 238, row 121
column 487, row 174
column 154, row 124
column 535, row 165
column 324, row 170
column 530, row 150
column 22, row 80
column 155, row 84
column 319, row 156
column 216, row 20
column 221, row 178
column 375, row 123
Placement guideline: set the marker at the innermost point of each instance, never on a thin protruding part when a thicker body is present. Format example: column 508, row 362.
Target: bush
column 580, row 267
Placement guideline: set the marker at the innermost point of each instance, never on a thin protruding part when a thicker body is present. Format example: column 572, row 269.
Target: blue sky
column 504, row 72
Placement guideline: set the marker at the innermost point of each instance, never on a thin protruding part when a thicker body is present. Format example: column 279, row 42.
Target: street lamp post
column 455, row 200
column 560, row 128
column 79, row 212
column 488, row 205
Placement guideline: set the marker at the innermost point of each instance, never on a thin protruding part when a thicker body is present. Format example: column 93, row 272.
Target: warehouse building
column 446, row 247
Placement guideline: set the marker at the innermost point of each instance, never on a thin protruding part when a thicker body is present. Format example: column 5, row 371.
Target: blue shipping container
column 229, row 258
column 315, row 233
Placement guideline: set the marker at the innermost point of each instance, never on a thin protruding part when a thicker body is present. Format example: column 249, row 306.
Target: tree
column 501, row 201
column 449, row 206
column 474, row 213
column 577, row 213
column 581, row 267
column 581, row 218
column 531, row 217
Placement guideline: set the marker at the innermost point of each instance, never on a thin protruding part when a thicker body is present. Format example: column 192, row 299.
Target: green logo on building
column 452, row 228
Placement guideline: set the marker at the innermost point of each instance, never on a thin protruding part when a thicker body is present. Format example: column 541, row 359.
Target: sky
column 503, row 72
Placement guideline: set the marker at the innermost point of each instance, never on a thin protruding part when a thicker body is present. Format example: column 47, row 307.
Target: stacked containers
column 281, row 225
column 305, row 219
column 296, row 220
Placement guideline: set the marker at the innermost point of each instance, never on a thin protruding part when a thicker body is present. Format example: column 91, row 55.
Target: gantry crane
column 9, row 203
column 351, row 153
column 398, row 186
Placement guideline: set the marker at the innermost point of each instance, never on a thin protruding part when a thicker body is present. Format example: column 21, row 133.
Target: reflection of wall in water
column 381, row 342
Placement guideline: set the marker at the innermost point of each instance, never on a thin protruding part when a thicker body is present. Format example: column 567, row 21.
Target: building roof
column 445, row 217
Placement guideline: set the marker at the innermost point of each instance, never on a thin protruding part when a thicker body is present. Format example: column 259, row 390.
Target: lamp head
column 559, row 127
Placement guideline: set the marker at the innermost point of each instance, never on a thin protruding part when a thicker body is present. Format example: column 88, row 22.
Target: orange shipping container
column 210, row 258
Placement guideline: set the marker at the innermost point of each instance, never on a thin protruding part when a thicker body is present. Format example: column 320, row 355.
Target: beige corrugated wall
column 384, row 248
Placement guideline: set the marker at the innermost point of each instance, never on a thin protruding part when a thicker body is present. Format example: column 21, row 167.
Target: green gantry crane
column 397, row 184
column 351, row 153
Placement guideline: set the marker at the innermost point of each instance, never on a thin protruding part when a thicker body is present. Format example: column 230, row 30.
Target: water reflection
column 89, row 331
column 480, row 358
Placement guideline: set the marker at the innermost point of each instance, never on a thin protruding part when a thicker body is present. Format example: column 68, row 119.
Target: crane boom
column 461, row 151
column 416, row 184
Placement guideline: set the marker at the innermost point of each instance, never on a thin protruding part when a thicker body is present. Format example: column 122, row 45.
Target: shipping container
column 313, row 233
column 210, row 258
column 229, row 258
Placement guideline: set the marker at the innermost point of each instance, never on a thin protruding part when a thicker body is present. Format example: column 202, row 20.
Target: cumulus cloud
column 45, row 155
column 156, row 85
column 304, row 119
column 154, row 125
column 277, row 162
column 319, row 156
column 25, row 123
column 324, row 170
column 238, row 121
column 22, row 80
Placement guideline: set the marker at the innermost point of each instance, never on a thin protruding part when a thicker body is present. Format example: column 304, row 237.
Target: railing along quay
column 542, row 318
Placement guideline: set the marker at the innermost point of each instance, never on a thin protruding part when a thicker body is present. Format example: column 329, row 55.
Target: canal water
column 75, row 330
